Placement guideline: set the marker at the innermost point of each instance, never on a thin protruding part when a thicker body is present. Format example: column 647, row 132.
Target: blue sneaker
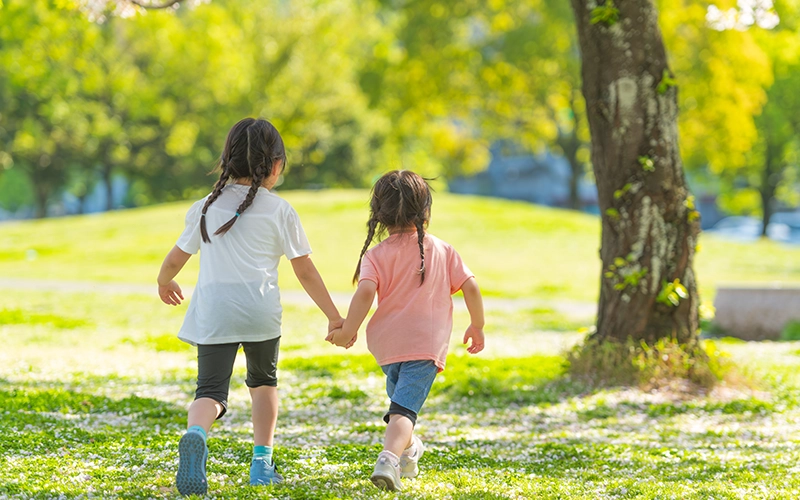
column 191, row 476
column 262, row 472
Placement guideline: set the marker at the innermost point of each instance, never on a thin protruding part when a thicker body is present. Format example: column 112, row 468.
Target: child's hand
column 333, row 324
column 352, row 341
column 476, row 334
column 332, row 334
column 170, row 293
column 340, row 339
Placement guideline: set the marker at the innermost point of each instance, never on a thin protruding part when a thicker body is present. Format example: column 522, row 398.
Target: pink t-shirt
column 412, row 322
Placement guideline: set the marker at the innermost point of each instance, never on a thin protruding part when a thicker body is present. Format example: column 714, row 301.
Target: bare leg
column 203, row 412
column 265, row 414
column 398, row 434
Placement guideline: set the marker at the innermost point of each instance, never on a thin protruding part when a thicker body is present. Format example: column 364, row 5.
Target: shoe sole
column 384, row 482
column 191, row 477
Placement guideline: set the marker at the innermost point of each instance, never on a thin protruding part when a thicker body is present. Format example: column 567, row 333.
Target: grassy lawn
column 94, row 386
column 94, row 389
column 515, row 249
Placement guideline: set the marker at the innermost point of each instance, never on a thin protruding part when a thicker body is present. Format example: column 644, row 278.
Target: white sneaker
column 387, row 472
column 410, row 458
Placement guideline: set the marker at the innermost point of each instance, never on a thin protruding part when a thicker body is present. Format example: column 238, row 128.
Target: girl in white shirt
column 236, row 300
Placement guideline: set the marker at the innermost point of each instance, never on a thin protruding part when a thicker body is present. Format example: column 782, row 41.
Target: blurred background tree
column 99, row 89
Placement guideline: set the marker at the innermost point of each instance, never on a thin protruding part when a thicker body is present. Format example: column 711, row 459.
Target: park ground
column 94, row 385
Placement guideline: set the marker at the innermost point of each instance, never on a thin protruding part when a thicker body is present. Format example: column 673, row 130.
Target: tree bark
column 569, row 144
column 770, row 178
column 649, row 225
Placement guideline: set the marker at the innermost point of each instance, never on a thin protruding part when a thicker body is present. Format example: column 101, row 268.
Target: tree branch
column 165, row 5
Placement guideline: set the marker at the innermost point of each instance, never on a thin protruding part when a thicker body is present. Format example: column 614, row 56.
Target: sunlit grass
column 94, row 389
column 515, row 249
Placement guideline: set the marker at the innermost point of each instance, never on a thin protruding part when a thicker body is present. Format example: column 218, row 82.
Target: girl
column 414, row 275
column 236, row 300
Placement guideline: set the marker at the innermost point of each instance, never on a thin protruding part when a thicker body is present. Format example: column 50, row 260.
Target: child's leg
column 265, row 414
column 214, row 368
column 203, row 412
column 398, row 434
column 407, row 384
column 262, row 379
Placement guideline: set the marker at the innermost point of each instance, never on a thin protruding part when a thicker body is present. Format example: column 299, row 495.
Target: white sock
column 393, row 459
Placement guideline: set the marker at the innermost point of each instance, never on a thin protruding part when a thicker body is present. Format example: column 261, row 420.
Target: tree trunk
column 770, row 178
column 106, row 174
column 569, row 144
column 41, row 195
column 649, row 224
column 767, row 193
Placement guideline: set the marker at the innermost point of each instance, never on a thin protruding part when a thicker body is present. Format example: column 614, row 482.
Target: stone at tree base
column 753, row 313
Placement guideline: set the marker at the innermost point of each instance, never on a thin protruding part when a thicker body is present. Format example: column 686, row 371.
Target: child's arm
column 474, row 302
column 312, row 283
column 168, row 289
column 359, row 308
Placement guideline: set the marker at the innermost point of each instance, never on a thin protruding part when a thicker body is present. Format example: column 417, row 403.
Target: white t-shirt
column 237, row 298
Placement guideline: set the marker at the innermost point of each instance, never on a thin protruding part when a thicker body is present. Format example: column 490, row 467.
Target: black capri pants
column 215, row 367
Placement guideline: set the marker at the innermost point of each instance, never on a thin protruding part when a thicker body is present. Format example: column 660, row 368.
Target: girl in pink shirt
column 414, row 275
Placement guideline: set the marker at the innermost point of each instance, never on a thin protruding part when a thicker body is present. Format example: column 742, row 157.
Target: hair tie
column 202, row 215
column 237, row 214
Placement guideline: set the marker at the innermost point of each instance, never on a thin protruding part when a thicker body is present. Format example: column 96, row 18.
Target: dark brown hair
column 399, row 199
column 251, row 150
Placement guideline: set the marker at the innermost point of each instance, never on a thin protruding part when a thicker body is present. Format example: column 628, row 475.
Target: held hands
column 170, row 293
column 336, row 337
column 333, row 324
column 476, row 334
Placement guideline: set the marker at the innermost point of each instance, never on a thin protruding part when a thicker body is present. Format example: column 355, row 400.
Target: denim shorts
column 408, row 384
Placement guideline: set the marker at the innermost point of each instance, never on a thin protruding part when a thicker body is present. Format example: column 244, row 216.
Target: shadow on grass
column 23, row 405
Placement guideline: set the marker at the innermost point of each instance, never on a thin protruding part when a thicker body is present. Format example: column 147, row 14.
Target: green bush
column 791, row 331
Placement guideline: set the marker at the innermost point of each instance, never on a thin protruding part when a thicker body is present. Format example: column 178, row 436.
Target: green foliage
column 152, row 97
column 693, row 214
column 619, row 193
column 647, row 164
column 16, row 190
column 791, row 331
column 630, row 277
column 625, row 272
column 667, row 81
column 739, row 138
column 612, row 213
column 671, row 293
column 606, row 13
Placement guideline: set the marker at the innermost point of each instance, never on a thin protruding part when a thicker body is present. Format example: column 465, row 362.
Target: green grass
column 515, row 249
column 94, row 389
column 94, row 386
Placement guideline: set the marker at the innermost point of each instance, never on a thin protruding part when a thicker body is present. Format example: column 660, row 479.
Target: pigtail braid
column 221, row 182
column 258, row 178
column 420, row 241
column 372, row 224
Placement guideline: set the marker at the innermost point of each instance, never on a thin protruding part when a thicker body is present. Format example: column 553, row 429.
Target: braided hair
column 252, row 148
column 400, row 199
